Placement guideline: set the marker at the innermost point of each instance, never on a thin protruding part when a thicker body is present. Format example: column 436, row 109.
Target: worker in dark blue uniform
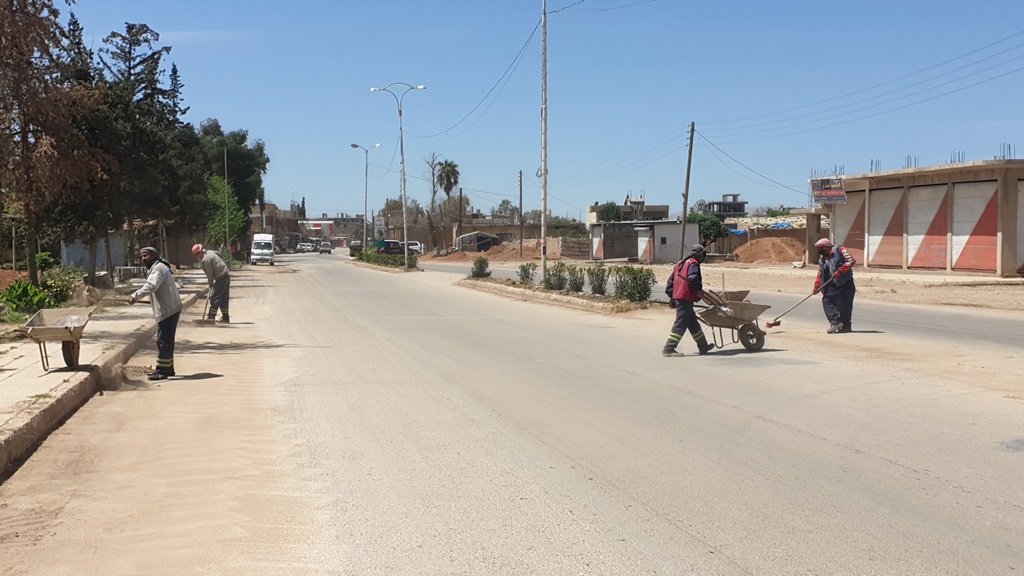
column 835, row 282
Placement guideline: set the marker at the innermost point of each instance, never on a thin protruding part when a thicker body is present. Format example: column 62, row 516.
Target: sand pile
column 771, row 250
column 507, row 252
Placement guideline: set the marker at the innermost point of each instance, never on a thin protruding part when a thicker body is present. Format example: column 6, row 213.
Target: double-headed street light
column 401, row 146
column 366, row 188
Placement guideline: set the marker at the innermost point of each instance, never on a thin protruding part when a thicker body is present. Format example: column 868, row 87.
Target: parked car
column 325, row 247
column 415, row 247
column 304, row 247
column 391, row 247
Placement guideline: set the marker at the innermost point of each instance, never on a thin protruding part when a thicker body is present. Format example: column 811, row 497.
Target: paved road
column 432, row 429
column 927, row 323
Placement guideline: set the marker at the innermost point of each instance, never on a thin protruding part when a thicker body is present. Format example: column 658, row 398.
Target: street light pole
column 401, row 147
column 366, row 188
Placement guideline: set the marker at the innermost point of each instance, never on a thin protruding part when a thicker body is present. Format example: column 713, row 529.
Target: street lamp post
column 401, row 146
column 366, row 189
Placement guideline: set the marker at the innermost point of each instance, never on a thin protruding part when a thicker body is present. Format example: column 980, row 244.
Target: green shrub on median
column 633, row 284
column 479, row 269
column 389, row 260
column 597, row 275
column 527, row 272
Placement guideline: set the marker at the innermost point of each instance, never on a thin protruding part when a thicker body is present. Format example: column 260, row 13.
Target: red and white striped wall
column 1020, row 226
column 975, row 225
column 927, row 227
column 962, row 217
column 885, row 228
column 937, row 239
column 848, row 225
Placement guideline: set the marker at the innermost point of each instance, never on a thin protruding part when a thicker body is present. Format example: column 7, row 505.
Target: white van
column 262, row 249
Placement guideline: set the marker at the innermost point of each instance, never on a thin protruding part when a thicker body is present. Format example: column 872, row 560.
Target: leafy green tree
column 709, row 227
column 506, row 208
column 610, row 212
column 246, row 162
column 137, row 103
column 225, row 220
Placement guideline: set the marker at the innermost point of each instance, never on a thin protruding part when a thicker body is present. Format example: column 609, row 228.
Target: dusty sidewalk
column 33, row 402
column 174, row 477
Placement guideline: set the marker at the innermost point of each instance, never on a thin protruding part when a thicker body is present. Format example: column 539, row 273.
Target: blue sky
column 783, row 88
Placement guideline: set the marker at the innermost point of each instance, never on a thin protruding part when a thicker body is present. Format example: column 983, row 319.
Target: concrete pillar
column 813, row 234
column 1006, row 232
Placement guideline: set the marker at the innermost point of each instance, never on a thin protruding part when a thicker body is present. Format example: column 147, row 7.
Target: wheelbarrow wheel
column 71, row 349
column 751, row 337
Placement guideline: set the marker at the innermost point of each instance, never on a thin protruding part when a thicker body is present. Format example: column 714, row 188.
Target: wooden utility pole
column 522, row 225
column 686, row 195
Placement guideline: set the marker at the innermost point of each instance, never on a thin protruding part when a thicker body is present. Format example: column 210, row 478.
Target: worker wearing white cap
column 835, row 282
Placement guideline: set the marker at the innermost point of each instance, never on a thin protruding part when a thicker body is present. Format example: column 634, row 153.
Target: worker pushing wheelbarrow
column 732, row 311
column 64, row 325
column 685, row 287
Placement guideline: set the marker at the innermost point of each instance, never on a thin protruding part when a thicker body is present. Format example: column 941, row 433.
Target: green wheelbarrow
column 64, row 325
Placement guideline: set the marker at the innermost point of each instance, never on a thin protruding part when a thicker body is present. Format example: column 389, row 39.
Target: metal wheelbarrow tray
column 728, row 311
column 64, row 325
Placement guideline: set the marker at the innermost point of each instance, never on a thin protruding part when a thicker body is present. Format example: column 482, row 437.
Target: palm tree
column 446, row 178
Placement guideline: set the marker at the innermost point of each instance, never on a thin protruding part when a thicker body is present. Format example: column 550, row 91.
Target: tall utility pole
column 401, row 147
column 544, row 144
column 522, row 225
column 686, row 195
column 366, row 187
column 460, row 213
column 227, row 232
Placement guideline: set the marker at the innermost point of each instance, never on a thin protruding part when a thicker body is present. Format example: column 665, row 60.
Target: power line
column 868, row 89
column 791, row 124
column 802, row 193
column 962, row 88
column 502, row 80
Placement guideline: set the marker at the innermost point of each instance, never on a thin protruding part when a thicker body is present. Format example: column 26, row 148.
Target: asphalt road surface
column 926, row 323
column 423, row 428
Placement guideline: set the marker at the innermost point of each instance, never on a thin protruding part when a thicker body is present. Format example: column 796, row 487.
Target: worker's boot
column 834, row 328
column 704, row 347
column 225, row 320
column 671, row 353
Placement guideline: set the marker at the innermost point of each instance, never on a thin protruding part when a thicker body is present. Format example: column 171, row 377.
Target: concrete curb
column 44, row 416
column 528, row 295
column 390, row 269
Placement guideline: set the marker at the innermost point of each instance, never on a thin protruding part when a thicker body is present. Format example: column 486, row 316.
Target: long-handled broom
column 778, row 320
column 204, row 321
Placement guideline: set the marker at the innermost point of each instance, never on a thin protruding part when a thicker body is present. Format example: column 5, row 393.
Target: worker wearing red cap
column 835, row 282
column 218, row 278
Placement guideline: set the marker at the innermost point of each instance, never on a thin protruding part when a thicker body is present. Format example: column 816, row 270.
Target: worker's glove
column 837, row 275
column 817, row 287
column 132, row 300
column 672, row 303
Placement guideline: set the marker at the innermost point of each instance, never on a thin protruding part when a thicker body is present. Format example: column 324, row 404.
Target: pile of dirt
column 7, row 277
column 507, row 252
column 771, row 250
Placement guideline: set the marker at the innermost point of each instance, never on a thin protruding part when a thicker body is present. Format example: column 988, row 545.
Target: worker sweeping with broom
column 163, row 295
column 835, row 282
column 686, row 286
column 219, row 279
